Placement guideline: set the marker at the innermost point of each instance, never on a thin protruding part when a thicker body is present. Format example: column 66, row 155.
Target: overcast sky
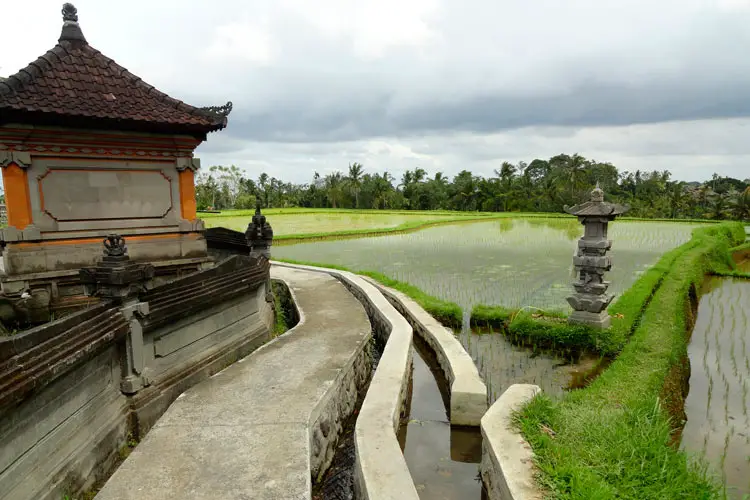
column 440, row 84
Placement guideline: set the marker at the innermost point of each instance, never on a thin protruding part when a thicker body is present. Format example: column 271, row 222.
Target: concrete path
column 244, row 433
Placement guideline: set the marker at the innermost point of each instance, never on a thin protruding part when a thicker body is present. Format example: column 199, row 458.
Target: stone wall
column 71, row 396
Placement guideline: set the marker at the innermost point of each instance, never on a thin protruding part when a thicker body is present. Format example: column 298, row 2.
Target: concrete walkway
column 245, row 433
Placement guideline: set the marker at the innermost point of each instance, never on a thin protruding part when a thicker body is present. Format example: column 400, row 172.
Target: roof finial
column 71, row 31
column 597, row 194
column 69, row 12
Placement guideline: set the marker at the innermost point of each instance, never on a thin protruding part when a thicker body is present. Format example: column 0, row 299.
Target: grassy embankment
column 612, row 439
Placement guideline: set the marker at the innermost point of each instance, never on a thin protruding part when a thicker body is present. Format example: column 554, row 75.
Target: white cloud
column 242, row 41
column 690, row 150
column 381, row 73
column 370, row 27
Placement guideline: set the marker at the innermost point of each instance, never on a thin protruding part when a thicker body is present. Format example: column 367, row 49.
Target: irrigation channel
column 443, row 460
column 718, row 402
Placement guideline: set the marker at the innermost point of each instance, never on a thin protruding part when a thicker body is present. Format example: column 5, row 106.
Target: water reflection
column 443, row 460
column 502, row 364
column 718, row 404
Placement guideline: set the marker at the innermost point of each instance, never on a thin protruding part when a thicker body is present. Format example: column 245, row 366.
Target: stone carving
column 116, row 277
column 222, row 111
column 70, row 13
column 259, row 234
column 590, row 301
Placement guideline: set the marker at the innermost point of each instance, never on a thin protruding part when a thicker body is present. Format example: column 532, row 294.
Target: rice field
column 508, row 262
column 502, row 364
column 291, row 223
column 718, row 404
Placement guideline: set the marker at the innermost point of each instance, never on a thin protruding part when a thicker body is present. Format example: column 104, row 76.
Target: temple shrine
column 88, row 149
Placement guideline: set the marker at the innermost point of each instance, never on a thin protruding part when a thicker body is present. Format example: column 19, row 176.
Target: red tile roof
column 74, row 81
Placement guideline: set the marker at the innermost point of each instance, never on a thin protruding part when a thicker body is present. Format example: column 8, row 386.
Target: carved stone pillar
column 118, row 279
column 259, row 236
column 590, row 301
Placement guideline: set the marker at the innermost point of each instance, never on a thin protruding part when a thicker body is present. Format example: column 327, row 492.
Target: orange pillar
column 17, row 199
column 187, row 195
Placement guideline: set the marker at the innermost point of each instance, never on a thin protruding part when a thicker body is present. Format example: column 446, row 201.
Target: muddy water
column 502, row 364
column 718, row 404
column 443, row 461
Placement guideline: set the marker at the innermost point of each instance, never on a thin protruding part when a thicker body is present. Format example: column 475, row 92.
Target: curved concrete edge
column 507, row 460
column 381, row 470
column 468, row 391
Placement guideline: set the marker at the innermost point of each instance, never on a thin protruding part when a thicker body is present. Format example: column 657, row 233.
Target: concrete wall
column 381, row 472
column 67, row 436
column 507, row 460
column 468, row 394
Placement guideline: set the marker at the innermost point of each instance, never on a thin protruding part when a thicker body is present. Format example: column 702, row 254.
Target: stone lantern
column 590, row 300
column 259, row 235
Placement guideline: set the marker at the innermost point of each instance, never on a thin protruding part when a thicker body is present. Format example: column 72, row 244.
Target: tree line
column 537, row 186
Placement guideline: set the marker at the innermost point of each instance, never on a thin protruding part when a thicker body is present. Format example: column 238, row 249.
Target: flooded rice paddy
column 509, row 262
column 314, row 222
column 443, row 460
column 718, row 403
column 502, row 364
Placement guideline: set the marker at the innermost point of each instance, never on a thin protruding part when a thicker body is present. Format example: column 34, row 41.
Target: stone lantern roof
column 75, row 86
column 597, row 207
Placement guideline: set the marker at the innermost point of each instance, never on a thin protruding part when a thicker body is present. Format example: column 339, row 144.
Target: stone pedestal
column 590, row 300
column 598, row 320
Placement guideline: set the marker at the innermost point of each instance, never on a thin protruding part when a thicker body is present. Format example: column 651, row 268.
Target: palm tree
column 677, row 198
column 263, row 183
column 741, row 205
column 354, row 180
column 575, row 170
column 506, row 173
column 333, row 184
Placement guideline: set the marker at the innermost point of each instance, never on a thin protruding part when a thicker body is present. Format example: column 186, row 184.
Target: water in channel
column 443, row 460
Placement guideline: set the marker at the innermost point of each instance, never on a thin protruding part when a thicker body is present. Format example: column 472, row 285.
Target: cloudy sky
column 440, row 84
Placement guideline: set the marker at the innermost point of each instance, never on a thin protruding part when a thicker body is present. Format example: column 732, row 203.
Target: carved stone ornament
column 115, row 276
column 222, row 111
column 69, row 12
column 259, row 234
column 20, row 158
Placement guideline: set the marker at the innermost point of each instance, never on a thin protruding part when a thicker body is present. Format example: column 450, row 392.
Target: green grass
column 281, row 322
column 731, row 274
column 612, row 439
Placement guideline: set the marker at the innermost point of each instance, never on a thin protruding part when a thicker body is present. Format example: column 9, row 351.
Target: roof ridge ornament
column 222, row 111
column 71, row 31
column 69, row 12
